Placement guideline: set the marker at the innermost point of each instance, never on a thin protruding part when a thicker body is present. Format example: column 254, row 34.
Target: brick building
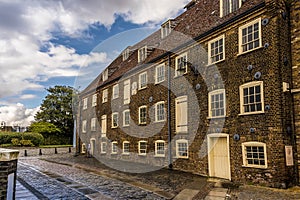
column 215, row 92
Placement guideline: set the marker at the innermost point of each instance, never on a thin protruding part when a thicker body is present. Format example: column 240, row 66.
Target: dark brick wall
column 6, row 168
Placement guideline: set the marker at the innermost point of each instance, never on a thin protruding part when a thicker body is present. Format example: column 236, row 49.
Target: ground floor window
column 114, row 148
column 103, row 147
column 83, row 148
column 254, row 154
column 160, row 148
column 126, row 147
column 142, row 147
column 182, row 148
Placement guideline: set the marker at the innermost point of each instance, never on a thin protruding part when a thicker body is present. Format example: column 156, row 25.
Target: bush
column 15, row 138
column 15, row 142
column 26, row 143
column 36, row 138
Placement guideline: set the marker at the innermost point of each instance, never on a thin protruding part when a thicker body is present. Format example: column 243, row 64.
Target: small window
column 114, row 147
column 142, row 147
column 182, row 148
column 127, row 92
column 126, row 147
column 254, row 154
column 252, row 98
column 125, row 54
column 160, row 73
column 166, row 29
column 114, row 120
column 94, row 100
column 93, row 124
column 143, row 80
column 103, row 126
column 115, row 91
column 126, row 118
column 160, row 148
column 160, row 111
column 216, row 50
column 181, row 64
column 84, row 126
column 103, row 147
column 142, row 54
column 229, row 6
column 143, row 115
column 105, row 75
column 104, row 95
column 181, row 114
column 83, row 148
column 216, row 103
column 84, row 103
column 250, row 36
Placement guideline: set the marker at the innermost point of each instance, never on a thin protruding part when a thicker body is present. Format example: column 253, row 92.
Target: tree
column 56, row 109
column 44, row 128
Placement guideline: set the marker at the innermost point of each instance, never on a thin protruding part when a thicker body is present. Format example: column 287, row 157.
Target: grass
column 55, row 146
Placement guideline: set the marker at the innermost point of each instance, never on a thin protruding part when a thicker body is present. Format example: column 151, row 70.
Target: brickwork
column 6, row 168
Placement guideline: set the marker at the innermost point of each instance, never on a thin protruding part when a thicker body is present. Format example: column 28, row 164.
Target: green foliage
column 15, row 142
column 27, row 138
column 56, row 140
column 44, row 128
column 36, row 138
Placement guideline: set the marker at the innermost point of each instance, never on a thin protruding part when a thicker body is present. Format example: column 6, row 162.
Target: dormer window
column 229, row 6
column 166, row 29
column 105, row 75
column 125, row 54
column 142, row 54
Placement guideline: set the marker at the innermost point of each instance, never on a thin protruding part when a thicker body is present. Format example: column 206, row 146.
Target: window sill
column 114, row 154
column 181, row 75
column 158, row 156
column 114, row 127
column 217, row 117
column 156, row 83
column 126, row 125
column 103, row 153
column 182, row 157
column 211, row 64
column 125, row 154
column 251, row 113
column 103, row 135
column 143, row 88
column 160, row 121
column 256, row 167
column 242, row 53
column 142, row 155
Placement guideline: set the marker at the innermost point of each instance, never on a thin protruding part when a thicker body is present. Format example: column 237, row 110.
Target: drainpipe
column 170, row 165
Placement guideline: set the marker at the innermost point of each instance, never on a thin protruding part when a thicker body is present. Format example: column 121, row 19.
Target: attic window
column 142, row 54
column 125, row 54
column 229, row 6
column 105, row 75
column 166, row 29
column 190, row 4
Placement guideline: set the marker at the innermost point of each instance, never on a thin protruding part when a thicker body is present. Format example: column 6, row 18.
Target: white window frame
column 127, row 91
column 84, row 124
column 157, row 150
column 142, row 54
column 83, row 148
column 181, row 122
column 94, row 100
column 114, row 116
column 85, row 100
column 142, row 151
column 166, row 29
column 125, row 54
column 178, row 61
column 115, row 91
column 254, row 144
column 157, row 112
column 103, row 147
column 143, row 80
column 210, row 56
column 105, row 75
column 124, row 117
column 248, row 85
column 178, row 152
column 222, row 14
column 103, row 125
column 126, row 151
column 104, row 95
column 160, row 73
column 140, row 121
column 114, row 147
column 241, row 36
column 93, row 124
column 213, row 93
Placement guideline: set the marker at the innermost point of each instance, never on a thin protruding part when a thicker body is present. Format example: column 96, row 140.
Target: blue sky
column 48, row 43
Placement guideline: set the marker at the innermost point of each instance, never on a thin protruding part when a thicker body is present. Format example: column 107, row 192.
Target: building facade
column 213, row 92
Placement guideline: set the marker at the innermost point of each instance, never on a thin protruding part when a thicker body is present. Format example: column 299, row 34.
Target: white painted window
column 160, row 73
column 84, row 126
column 216, row 50
column 114, row 120
column 125, row 54
column 252, row 98
column 126, row 118
column 114, row 147
column 104, row 95
column 94, row 100
column 83, row 148
column 229, row 6
column 216, row 103
column 181, row 110
column 115, row 91
column 93, row 124
column 105, row 75
column 143, row 80
column 142, row 147
column 142, row 54
column 143, row 115
column 160, row 148
column 181, row 64
column 127, row 92
column 166, row 29
column 103, row 125
column 126, row 147
column 160, row 111
column 182, row 148
column 254, row 154
column 250, row 36
column 85, row 103
column 103, row 147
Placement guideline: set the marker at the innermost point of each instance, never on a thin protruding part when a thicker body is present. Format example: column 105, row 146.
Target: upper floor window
column 125, row 54
column 250, row 36
column 182, row 148
column 143, row 80
column 143, row 115
column 115, row 91
column 84, row 126
column 142, row 147
column 254, row 154
column 229, row 6
column 216, row 103
column 160, row 111
column 160, row 73
column 142, row 54
column 216, row 50
column 105, row 75
column 104, row 95
column 93, row 124
column 126, row 118
column 127, row 91
column 84, row 103
column 252, row 98
column 114, row 120
column 160, row 148
column 181, row 114
column 166, row 28
column 181, row 64
column 94, row 100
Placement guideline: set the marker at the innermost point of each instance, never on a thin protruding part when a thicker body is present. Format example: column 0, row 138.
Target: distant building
column 215, row 91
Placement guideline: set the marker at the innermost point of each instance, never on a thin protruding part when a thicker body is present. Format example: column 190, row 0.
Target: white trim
column 94, row 100
column 215, row 92
column 156, row 73
column 140, row 80
column 115, row 91
column 85, row 100
column 126, row 153
column 104, row 95
column 244, row 154
column 176, row 63
column 124, row 117
column 156, row 111
column 112, row 120
column 140, row 114
column 230, row 11
column 160, row 155
column 93, row 124
column 84, row 124
column 139, row 148
column 209, row 49
column 112, row 147
column 187, row 146
column 103, row 150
